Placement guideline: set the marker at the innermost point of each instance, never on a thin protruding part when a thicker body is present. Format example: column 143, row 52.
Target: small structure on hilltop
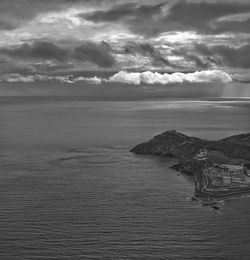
column 201, row 155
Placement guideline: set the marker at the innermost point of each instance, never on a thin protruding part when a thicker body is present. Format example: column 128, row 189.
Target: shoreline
column 202, row 191
column 204, row 194
column 220, row 169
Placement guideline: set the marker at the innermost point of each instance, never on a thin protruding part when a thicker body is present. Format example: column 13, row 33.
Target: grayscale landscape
column 124, row 129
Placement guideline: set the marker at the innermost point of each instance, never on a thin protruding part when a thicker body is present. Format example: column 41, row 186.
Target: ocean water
column 69, row 188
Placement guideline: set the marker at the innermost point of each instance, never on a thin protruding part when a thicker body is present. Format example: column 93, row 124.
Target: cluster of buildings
column 228, row 173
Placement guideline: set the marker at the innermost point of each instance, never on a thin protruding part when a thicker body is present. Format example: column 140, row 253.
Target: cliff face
column 234, row 149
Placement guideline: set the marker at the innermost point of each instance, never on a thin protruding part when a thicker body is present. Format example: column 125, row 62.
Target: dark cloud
column 201, row 55
column 237, row 57
column 202, row 59
column 234, row 57
column 47, row 67
column 15, row 13
column 40, row 50
column 96, row 53
column 183, row 15
column 148, row 50
column 191, row 56
column 199, row 15
column 192, row 16
column 133, row 14
column 123, row 11
column 6, row 66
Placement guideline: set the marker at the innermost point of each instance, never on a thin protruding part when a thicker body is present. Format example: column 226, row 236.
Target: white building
column 201, row 155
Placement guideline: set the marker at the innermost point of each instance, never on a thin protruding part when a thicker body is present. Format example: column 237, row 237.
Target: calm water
column 70, row 188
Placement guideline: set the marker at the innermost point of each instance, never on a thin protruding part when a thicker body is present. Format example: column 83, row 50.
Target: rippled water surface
column 70, row 188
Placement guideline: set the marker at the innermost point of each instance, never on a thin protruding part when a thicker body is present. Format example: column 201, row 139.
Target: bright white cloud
column 91, row 80
column 70, row 16
column 19, row 78
column 126, row 77
column 149, row 77
column 178, row 37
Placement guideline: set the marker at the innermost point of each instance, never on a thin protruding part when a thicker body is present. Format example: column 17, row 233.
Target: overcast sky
column 44, row 36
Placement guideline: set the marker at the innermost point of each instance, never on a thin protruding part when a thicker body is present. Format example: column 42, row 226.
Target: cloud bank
column 149, row 77
column 16, row 77
column 52, row 36
column 37, row 50
column 235, row 57
column 96, row 53
column 148, row 50
column 130, row 78
column 153, row 19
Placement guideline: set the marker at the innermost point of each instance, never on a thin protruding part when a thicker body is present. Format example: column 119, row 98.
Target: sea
column 70, row 188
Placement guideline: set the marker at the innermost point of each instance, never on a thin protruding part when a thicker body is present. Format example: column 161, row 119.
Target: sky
column 39, row 39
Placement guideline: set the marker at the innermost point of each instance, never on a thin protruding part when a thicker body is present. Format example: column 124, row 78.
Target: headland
column 220, row 168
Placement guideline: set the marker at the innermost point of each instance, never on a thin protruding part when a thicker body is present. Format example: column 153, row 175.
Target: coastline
column 219, row 172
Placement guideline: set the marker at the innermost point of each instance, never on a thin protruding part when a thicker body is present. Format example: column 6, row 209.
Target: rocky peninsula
column 220, row 168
